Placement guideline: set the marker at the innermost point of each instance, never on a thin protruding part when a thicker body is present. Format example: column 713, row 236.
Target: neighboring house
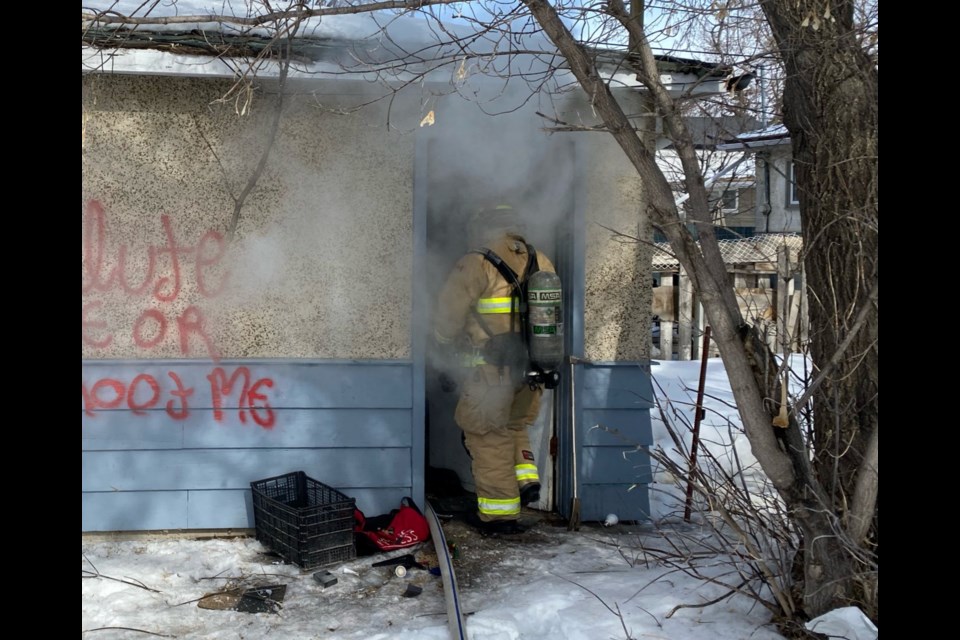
column 758, row 219
column 729, row 175
column 777, row 202
column 223, row 344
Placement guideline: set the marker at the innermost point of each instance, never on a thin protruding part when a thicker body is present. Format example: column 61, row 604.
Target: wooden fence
column 767, row 276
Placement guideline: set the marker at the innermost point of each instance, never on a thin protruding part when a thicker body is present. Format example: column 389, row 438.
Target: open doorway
column 534, row 173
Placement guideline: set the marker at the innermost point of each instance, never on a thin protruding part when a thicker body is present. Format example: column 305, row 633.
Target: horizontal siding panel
column 168, row 470
column 599, row 500
column 293, row 428
column 231, row 509
column 228, row 509
column 375, row 501
column 619, row 427
column 120, row 386
column 125, row 431
column 600, row 465
column 175, row 444
column 616, row 387
column 134, row 510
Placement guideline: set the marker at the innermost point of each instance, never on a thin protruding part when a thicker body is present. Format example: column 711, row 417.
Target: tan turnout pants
column 494, row 414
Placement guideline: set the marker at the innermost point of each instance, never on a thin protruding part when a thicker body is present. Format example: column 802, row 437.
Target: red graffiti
column 86, row 323
column 221, row 385
column 168, row 267
column 107, row 383
column 151, row 328
column 182, row 393
column 144, row 392
column 166, row 287
column 139, row 407
column 140, row 336
column 191, row 322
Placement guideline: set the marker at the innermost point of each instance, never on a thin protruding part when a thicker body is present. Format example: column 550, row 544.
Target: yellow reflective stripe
column 491, row 507
column 527, row 472
column 472, row 360
column 496, row 305
column 441, row 339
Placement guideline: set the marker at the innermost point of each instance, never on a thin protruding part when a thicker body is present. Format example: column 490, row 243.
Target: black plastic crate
column 303, row 520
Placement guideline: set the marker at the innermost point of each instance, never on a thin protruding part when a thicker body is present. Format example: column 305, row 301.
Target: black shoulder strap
column 509, row 274
column 533, row 265
column 512, row 278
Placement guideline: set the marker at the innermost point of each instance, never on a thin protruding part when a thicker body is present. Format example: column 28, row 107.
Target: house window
column 793, row 196
column 729, row 201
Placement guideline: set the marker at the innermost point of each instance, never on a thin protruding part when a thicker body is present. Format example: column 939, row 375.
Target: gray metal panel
column 419, row 324
column 293, row 428
column 179, row 451
column 572, row 266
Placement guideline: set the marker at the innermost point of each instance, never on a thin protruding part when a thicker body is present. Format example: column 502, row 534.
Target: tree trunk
column 831, row 109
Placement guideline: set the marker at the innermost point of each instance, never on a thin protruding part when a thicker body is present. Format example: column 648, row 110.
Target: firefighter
column 497, row 402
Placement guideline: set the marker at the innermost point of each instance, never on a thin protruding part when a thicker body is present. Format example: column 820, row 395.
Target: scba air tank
column 545, row 320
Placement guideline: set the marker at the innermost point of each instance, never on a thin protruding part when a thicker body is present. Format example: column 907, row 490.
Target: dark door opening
column 463, row 170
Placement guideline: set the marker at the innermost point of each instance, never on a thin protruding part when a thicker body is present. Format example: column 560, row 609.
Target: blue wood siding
column 175, row 444
column 613, row 436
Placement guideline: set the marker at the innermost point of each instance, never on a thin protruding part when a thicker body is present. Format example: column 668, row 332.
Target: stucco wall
column 617, row 299
column 321, row 262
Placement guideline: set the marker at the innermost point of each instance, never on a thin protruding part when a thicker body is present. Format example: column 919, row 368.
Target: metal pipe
column 695, row 443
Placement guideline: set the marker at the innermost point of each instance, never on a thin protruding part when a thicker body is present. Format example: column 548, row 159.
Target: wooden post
column 664, row 307
column 804, row 310
column 793, row 322
column 700, row 323
column 685, row 317
column 783, row 299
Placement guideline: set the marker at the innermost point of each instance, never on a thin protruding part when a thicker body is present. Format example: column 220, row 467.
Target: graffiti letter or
column 191, row 321
column 159, row 332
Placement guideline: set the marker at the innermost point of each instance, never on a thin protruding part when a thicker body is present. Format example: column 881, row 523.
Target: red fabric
column 403, row 527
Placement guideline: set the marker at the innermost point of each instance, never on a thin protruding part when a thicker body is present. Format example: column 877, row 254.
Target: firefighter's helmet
column 493, row 221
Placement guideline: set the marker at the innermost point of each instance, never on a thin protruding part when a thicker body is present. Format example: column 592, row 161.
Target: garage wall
column 212, row 357
column 321, row 259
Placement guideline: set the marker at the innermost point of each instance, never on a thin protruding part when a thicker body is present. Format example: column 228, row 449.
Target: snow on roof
column 720, row 170
column 326, row 44
column 773, row 131
column 757, row 250
column 773, row 135
column 330, row 44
